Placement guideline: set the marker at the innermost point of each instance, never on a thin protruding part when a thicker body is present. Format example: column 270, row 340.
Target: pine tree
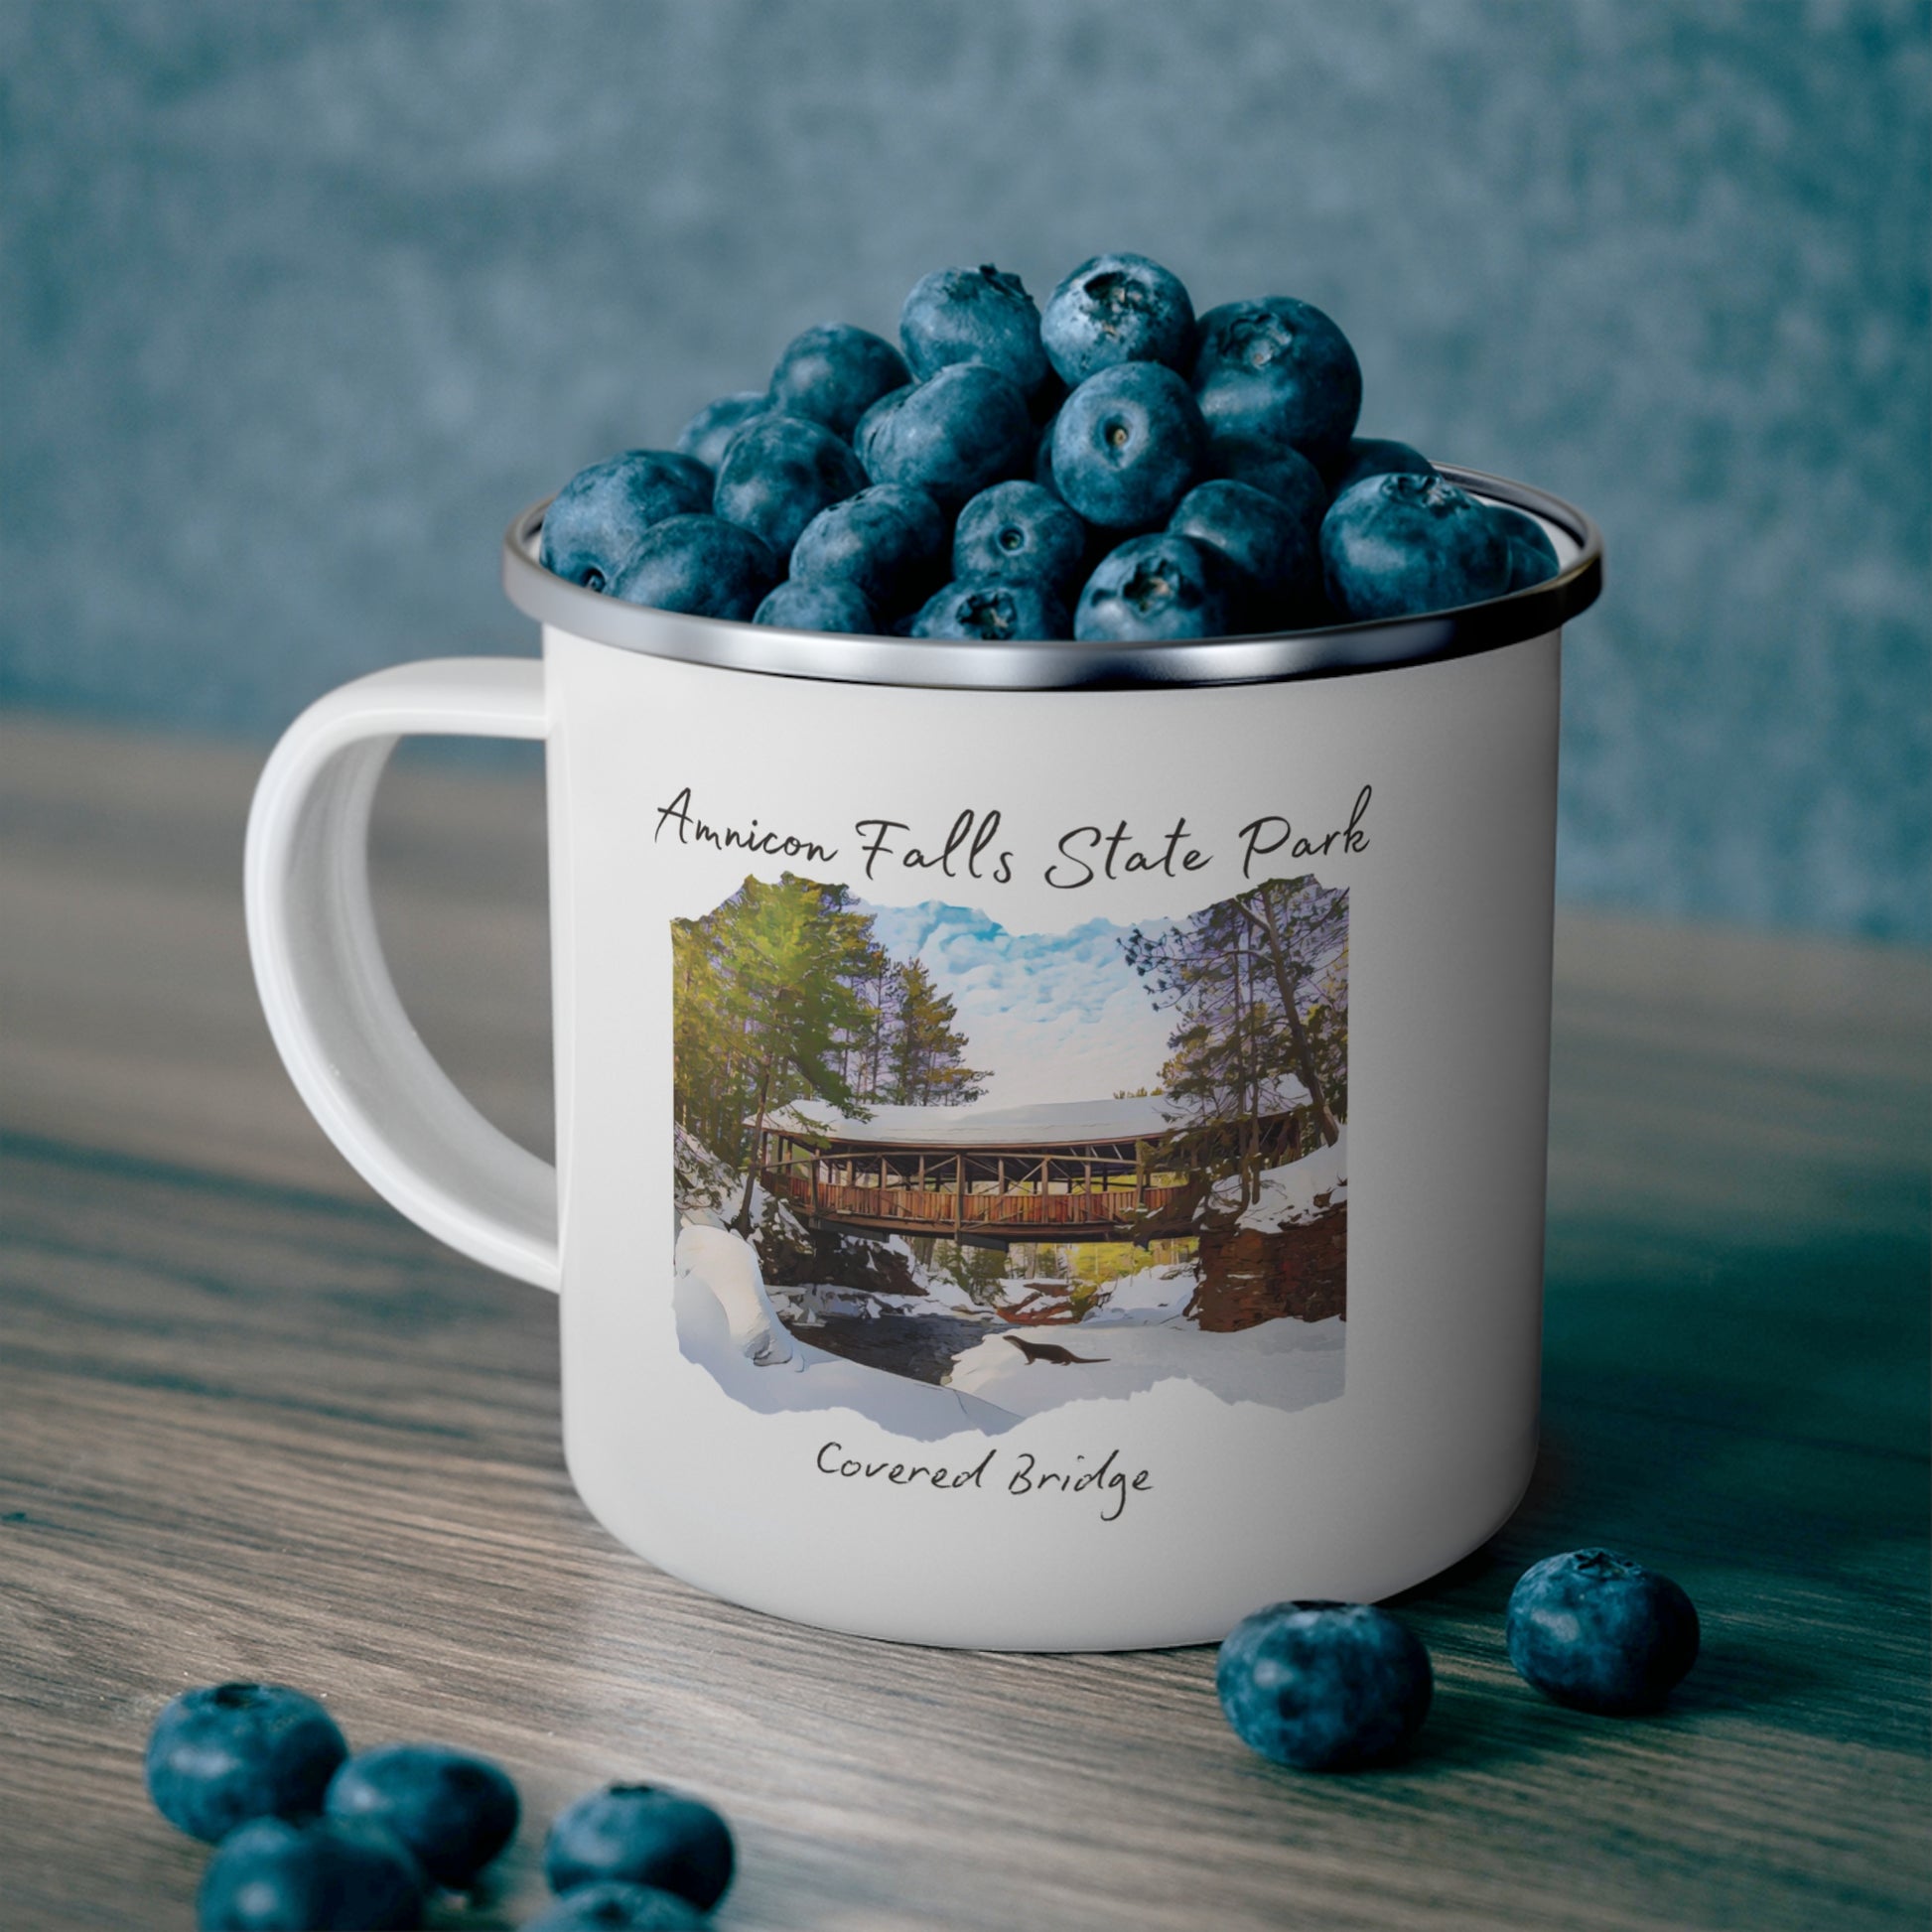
column 926, row 1062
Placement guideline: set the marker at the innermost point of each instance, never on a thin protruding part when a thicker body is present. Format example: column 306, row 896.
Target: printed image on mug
column 952, row 1177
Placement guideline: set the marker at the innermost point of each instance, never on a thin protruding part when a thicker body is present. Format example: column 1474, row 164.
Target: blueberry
column 227, row 1753
column 1377, row 456
column 1396, row 545
column 1280, row 371
column 835, row 373
column 1117, row 309
column 1044, row 455
column 614, row 1907
column 1532, row 556
column 1128, row 443
column 700, row 563
column 321, row 1875
column 778, row 472
column 1019, row 529
column 595, row 523
column 704, row 437
column 1601, row 1632
column 451, row 1811
column 1324, row 1687
column 1283, row 473
column 950, row 436
column 1274, row 554
column 989, row 609
column 973, row 315
column 1151, row 589
column 888, row 543
column 636, row 1831
column 818, row 606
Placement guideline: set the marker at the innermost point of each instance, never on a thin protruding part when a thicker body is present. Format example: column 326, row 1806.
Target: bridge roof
column 1049, row 1124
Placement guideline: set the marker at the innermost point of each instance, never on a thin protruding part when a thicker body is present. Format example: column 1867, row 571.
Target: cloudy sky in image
column 1053, row 1015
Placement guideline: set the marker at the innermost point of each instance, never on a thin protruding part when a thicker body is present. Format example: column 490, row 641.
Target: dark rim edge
column 1342, row 651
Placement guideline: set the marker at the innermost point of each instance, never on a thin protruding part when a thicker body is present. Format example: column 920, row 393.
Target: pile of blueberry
column 1330, row 1687
column 312, row 1840
column 1110, row 469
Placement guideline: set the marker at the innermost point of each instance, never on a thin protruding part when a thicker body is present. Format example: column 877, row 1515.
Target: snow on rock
column 1284, row 1364
column 1157, row 1293
column 1301, row 1191
column 711, row 1278
column 729, row 1268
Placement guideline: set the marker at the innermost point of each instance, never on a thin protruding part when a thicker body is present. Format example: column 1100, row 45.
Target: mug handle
column 325, row 986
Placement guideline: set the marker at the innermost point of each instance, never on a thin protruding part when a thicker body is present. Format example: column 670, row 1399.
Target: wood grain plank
column 252, row 1423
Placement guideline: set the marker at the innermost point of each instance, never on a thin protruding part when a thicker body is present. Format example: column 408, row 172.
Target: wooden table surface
column 255, row 1423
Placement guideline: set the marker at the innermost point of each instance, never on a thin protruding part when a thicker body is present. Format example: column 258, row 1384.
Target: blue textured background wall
column 298, row 304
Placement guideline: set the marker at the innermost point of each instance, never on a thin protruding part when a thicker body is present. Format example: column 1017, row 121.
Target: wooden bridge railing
column 938, row 1210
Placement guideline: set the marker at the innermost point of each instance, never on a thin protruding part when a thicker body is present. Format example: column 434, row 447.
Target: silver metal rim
column 1342, row 651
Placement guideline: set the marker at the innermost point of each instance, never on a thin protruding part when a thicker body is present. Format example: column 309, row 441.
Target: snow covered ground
column 1298, row 1193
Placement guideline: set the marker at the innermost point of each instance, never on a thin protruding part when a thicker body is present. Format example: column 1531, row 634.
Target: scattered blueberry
column 1117, row 309
column 700, row 563
column 778, row 472
column 1277, row 370
column 951, row 434
column 989, row 609
column 1153, row 589
column 454, row 1812
column 614, row 1907
column 830, row 607
column 1378, row 455
column 1324, row 1687
column 973, row 315
column 1019, row 529
column 835, row 373
column 888, row 542
column 1128, row 443
column 321, row 1875
column 1532, row 556
column 1274, row 553
column 222, row 1754
column 1043, row 455
column 1397, row 545
column 595, row 523
column 704, row 437
column 1601, row 1632
column 649, row 1837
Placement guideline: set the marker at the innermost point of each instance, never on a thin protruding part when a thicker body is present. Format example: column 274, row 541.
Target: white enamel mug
column 1051, row 1136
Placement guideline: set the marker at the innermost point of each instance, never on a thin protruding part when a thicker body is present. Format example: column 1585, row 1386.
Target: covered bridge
column 1068, row 1170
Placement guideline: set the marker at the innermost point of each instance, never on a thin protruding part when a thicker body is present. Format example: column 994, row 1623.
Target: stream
column 921, row 1346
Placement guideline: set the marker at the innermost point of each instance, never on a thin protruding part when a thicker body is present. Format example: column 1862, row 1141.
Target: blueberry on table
column 1274, row 554
column 1601, row 1632
column 595, row 523
column 778, row 472
column 699, row 564
column 887, row 543
column 1117, row 309
column 1324, row 1687
column 1399, row 545
column 989, row 609
column 973, row 315
column 453, row 1810
column 1377, row 456
column 834, row 373
column 1152, row 590
column 615, row 1906
column 829, row 607
column 322, row 1875
column 1127, row 445
column 222, row 1754
column 1020, row 530
column 1278, row 371
column 950, row 435
column 1532, row 556
column 644, row 1836
column 705, row 436
column 1283, row 473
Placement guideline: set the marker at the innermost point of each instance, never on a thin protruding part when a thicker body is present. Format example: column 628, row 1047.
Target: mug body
column 1049, row 1168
